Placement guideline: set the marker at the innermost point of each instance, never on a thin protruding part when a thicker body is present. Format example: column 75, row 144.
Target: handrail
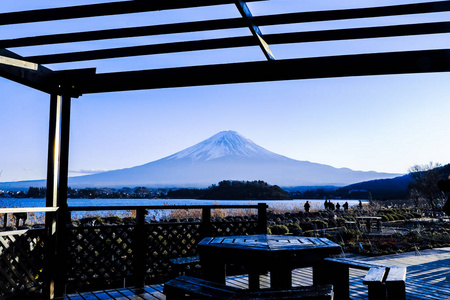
column 160, row 207
column 27, row 210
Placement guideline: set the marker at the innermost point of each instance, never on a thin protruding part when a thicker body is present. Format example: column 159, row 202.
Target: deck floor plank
column 428, row 277
column 142, row 293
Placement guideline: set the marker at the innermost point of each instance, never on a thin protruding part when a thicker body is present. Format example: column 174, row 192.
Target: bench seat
column 181, row 286
column 181, row 264
column 383, row 281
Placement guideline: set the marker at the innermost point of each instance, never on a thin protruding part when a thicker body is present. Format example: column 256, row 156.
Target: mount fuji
column 226, row 156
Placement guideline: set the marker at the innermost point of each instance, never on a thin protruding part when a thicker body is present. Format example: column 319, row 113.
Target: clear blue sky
column 381, row 123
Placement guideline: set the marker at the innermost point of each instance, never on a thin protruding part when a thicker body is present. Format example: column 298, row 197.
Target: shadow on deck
column 428, row 277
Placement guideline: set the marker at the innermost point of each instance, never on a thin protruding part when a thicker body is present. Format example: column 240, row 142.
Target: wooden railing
column 103, row 256
column 22, row 257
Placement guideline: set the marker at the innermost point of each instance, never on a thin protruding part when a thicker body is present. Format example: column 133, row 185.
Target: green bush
column 278, row 229
column 295, row 229
column 320, row 224
column 384, row 218
column 351, row 234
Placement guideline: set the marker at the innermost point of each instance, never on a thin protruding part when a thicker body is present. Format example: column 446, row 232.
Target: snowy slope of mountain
column 226, row 156
column 225, row 144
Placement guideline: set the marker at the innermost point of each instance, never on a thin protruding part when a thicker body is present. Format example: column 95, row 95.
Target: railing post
column 262, row 218
column 139, row 259
column 206, row 222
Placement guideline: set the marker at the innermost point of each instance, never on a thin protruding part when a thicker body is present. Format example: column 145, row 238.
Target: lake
column 286, row 205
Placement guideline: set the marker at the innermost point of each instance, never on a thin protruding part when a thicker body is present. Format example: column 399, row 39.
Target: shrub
column 278, row 229
column 320, row 224
column 385, row 218
column 351, row 234
column 295, row 229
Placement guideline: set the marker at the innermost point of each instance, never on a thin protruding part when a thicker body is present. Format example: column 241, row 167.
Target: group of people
column 331, row 206
column 328, row 206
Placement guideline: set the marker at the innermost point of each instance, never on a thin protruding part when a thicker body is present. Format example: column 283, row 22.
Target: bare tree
column 424, row 184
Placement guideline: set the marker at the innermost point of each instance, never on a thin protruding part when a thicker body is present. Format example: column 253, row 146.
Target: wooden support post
column 262, row 218
column 52, row 191
column 139, row 240
column 62, row 216
column 57, row 176
column 206, row 222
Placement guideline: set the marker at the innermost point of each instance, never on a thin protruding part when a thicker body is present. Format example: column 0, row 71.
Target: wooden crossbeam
column 306, row 68
column 256, row 32
column 284, row 38
column 103, row 9
column 123, row 33
column 5, row 60
column 299, row 17
column 18, row 69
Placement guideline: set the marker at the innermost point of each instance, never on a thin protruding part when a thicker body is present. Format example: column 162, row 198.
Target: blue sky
column 381, row 123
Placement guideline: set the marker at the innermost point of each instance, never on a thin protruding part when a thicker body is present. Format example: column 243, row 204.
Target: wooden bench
column 178, row 265
column 181, row 286
column 383, row 281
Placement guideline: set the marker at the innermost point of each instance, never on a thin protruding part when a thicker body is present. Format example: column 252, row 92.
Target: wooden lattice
column 234, row 228
column 102, row 256
column 21, row 264
column 99, row 256
column 166, row 241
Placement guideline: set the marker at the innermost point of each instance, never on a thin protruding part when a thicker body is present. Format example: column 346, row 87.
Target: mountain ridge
column 226, row 155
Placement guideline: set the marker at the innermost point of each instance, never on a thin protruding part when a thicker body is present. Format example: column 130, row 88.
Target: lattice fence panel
column 102, row 256
column 234, row 228
column 99, row 256
column 21, row 264
column 166, row 241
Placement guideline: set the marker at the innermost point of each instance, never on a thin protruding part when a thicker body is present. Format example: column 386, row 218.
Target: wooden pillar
column 262, row 218
column 57, row 175
column 206, row 222
column 139, row 249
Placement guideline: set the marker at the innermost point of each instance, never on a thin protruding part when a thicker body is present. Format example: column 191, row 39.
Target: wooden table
column 369, row 221
column 277, row 254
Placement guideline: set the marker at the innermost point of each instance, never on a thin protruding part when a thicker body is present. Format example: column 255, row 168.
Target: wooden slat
column 27, row 209
column 123, row 33
column 357, row 13
column 158, row 207
column 39, row 78
column 247, row 15
column 142, row 293
column 306, row 68
column 103, row 9
column 299, row 17
column 245, row 41
column 418, row 287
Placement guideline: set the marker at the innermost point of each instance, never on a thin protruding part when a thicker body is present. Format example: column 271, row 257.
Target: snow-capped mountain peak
column 225, row 144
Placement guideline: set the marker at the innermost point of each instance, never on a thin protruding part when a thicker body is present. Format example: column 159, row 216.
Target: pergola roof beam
column 356, row 13
column 225, row 24
column 124, row 33
column 305, row 68
column 103, row 9
column 256, row 32
column 298, row 37
column 16, row 68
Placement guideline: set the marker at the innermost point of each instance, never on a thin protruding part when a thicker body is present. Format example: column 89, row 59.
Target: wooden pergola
column 35, row 71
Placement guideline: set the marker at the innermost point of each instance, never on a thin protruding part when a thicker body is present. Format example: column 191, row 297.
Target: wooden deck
column 428, row 277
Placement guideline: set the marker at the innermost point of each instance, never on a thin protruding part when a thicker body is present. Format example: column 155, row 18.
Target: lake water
column 283, row 205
